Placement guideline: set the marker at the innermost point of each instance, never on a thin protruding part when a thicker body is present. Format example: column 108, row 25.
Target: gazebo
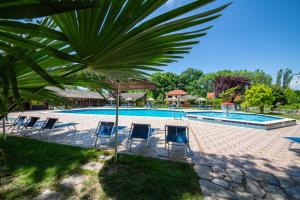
column 124, row 85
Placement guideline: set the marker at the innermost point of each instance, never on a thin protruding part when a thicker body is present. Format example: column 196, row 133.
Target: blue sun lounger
column 30, row 124
column 106, row 130
column 140, row 132
column 293, row 140
column 18, row 123
column 177, row 135
column 52, row 123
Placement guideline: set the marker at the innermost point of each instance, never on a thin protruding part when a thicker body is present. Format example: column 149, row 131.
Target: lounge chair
column 177, row 135
column 293, row 140
column 53, row 123
column 30, row 124
column 49, row 125
column 104, row 130
column 18, row 123
column 141, row 132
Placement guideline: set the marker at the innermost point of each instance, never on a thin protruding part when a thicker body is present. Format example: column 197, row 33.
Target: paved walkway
column 212, row 145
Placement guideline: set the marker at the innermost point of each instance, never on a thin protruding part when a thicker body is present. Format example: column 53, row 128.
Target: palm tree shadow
column 42, row 162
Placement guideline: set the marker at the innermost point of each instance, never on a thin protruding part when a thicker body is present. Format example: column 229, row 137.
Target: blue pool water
column 173, row 113
column 129, row 112
column 237, row 116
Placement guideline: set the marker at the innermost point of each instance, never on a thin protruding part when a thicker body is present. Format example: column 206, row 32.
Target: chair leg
column 168, row 150
column 24, row 132
column 130, row 145
column 18, row 128
column 40, row 133
column 96, row 141
column 31, row 132
column 291, row 145
column 50, row 133
column 12, row 130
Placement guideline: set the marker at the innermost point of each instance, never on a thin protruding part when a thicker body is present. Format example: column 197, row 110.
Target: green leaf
column 32, row 29
column 16, row 9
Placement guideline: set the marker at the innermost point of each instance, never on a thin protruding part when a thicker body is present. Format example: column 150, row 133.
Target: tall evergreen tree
column 287, row 78
column 279, row 77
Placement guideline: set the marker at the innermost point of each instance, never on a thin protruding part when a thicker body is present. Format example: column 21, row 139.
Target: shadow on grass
column 136, row 177
column 36, row 165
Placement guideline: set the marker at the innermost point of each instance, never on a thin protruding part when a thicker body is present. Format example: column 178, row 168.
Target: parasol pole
column 3, row 126
column 117, row 122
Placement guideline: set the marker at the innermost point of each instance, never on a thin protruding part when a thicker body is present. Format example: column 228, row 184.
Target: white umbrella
column 201, row 99
column 128, row 99
column 150, row 99
column 174, row 98
column 111, row 99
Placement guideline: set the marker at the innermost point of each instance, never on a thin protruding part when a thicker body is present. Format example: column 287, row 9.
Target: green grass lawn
column 136, row 177
column 37, row 165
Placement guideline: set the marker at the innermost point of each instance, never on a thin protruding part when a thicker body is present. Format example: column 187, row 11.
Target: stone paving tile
column 92, row 166
column 50, row 195
column 105, row 157
column 73, row 180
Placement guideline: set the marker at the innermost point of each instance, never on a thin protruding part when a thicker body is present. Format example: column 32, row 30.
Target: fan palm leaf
column 16, row 9
column 121, row 37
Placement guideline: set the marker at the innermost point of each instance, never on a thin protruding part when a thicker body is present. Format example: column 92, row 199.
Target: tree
column 190, row 74
column 256, row 77
column 279, row 77
column 259, row 77
column 291, row 96
column 223, row 83
column 165, row 82
column 284, row 78
column 287, row 78
column 188, row 80
column 279, row 96
column 259, row 95
column 229, row 94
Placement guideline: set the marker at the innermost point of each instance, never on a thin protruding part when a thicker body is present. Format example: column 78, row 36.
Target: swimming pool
column 234, row 119
column 242, row 119
column 129, row 112
column 237, row 116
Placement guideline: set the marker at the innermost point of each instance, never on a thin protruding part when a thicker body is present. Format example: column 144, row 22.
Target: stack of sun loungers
column 26, row 126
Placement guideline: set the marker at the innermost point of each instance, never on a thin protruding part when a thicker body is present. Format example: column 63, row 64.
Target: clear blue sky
column 251, row 34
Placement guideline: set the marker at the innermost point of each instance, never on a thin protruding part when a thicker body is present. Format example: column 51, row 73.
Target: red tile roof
column 176, row 92
column 211, row 95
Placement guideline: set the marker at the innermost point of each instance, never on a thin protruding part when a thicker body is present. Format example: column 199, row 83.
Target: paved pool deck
column 232, row 162
column 211, row 144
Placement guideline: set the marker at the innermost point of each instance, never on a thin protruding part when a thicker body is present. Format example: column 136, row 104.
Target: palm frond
column 121, row 34
column 16, row 9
